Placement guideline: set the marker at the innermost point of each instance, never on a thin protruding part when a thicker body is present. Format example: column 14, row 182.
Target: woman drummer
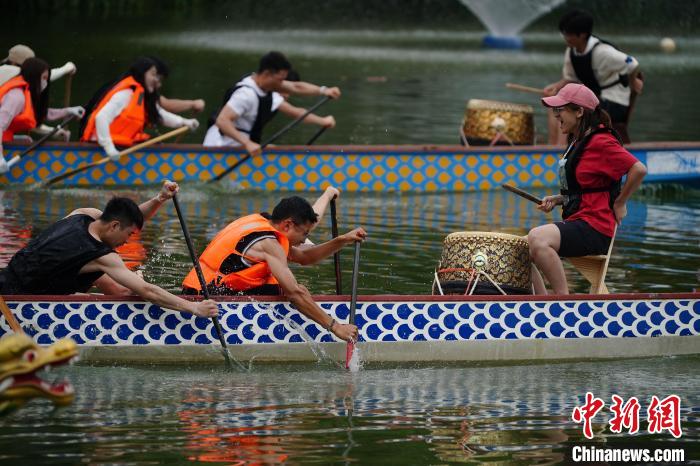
column 24, row 103
column 589, row 172
column 120, row 111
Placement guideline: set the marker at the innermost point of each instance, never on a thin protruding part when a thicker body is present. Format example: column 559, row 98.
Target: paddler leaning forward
column 77, row 252
column 250, row 257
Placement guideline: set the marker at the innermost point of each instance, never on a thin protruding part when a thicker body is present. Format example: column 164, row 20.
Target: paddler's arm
column 104, row 118
column 271, row 252
column 322, row 203
column 313, row 254
column 112, row 265
column 635, row 175
column 226, row 124
column 296, row 112
column 304, row 88
column 181, row 105
column 151, row 206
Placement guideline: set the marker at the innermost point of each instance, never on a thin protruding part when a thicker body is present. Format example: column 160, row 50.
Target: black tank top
column 51, row 263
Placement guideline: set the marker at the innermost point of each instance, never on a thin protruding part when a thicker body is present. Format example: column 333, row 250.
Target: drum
column 476, row 258
column 483, row 119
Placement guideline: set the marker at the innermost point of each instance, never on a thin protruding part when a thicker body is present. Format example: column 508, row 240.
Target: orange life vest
column 26, row 120
column 223, row 245
column 127, row 128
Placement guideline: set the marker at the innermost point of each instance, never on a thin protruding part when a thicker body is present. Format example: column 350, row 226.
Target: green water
column 318, row 415
column 404, row 81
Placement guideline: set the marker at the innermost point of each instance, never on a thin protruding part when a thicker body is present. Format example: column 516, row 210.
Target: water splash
column 356, row 362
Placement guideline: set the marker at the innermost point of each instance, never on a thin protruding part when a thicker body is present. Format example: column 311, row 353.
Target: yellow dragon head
column 20, row 359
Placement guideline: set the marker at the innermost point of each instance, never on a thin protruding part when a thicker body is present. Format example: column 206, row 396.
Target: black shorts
column 578, row 239
column 617, row 112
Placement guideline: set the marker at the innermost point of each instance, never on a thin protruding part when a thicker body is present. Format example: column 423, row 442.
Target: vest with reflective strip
column 127, row 127
column 26, row 120
column 223, row 245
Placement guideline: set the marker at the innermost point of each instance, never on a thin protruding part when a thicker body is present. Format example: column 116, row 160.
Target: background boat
column 414, row 168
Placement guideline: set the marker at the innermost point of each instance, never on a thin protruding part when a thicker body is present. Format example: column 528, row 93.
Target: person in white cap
column 24, row 103
column 10, row 66
column 592, row 198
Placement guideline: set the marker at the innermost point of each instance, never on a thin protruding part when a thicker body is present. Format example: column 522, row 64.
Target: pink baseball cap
column 573, row 93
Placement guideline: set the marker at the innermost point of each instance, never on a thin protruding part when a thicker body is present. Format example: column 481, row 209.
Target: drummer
column 250, row 257
column 592, row 198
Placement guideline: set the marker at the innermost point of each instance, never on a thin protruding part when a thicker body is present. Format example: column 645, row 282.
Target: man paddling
column 611, row 74
column 77, row 252
column 250, row 257
column 254, row 100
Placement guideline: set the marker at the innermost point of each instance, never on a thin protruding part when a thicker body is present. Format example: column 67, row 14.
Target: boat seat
column 594, row 268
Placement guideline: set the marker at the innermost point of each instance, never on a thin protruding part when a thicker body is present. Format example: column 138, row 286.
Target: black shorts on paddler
column 578, row 239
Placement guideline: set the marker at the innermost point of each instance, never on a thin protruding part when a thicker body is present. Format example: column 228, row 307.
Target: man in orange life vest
column 250, row 256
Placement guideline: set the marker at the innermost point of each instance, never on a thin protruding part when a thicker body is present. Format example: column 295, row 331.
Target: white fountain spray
column 505, row 19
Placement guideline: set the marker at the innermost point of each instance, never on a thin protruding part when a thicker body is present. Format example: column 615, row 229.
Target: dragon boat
column 414, row 168
column 393, row 328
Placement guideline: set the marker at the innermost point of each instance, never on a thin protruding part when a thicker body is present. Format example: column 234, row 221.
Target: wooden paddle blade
column 128, row 151
column 10, row 317
column 521, row 193
column 70, row 173
column 349, row 350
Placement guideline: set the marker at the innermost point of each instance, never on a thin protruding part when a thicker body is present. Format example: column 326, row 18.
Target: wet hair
column 137, row 70
column 31, row 71
column 296, row 208
column 274, row 62
column 161, row 67
column 590, row 120
column 124, row 210
column 576, row 22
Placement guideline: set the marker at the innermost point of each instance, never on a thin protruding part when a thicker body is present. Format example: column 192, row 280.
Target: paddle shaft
column 520, row 87
column 353, row 303
column 40, row 141
column 336, row 256
column 271, row 139
column 521, row 193
column 128, row 151
column 316, row 136
column 10, row 317
column 200, row 276
column 66, row 94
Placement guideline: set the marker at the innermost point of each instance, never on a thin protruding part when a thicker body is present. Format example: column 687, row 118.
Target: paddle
column 336, row 256
column 66, row 94
column 10, row 317
column 128, row 151
column 200, row 276
column 520, row 192
column 316, row 136
column 40, row 141
column 271, row 140
column 353, row 304
column 520, row 87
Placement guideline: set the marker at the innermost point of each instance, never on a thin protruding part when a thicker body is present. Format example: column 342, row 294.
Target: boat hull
column 350, row 168
column 392, row 328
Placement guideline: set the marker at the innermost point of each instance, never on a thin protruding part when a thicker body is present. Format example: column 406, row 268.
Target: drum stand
column 500, row 136
column 474, row 276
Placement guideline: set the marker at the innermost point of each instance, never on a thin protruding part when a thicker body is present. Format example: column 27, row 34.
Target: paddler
column 119, row 112
column 77, row 252
column 254, row 100
column 250, row 257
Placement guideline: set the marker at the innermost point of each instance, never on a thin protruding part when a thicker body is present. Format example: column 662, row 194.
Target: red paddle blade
column 348, row 353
